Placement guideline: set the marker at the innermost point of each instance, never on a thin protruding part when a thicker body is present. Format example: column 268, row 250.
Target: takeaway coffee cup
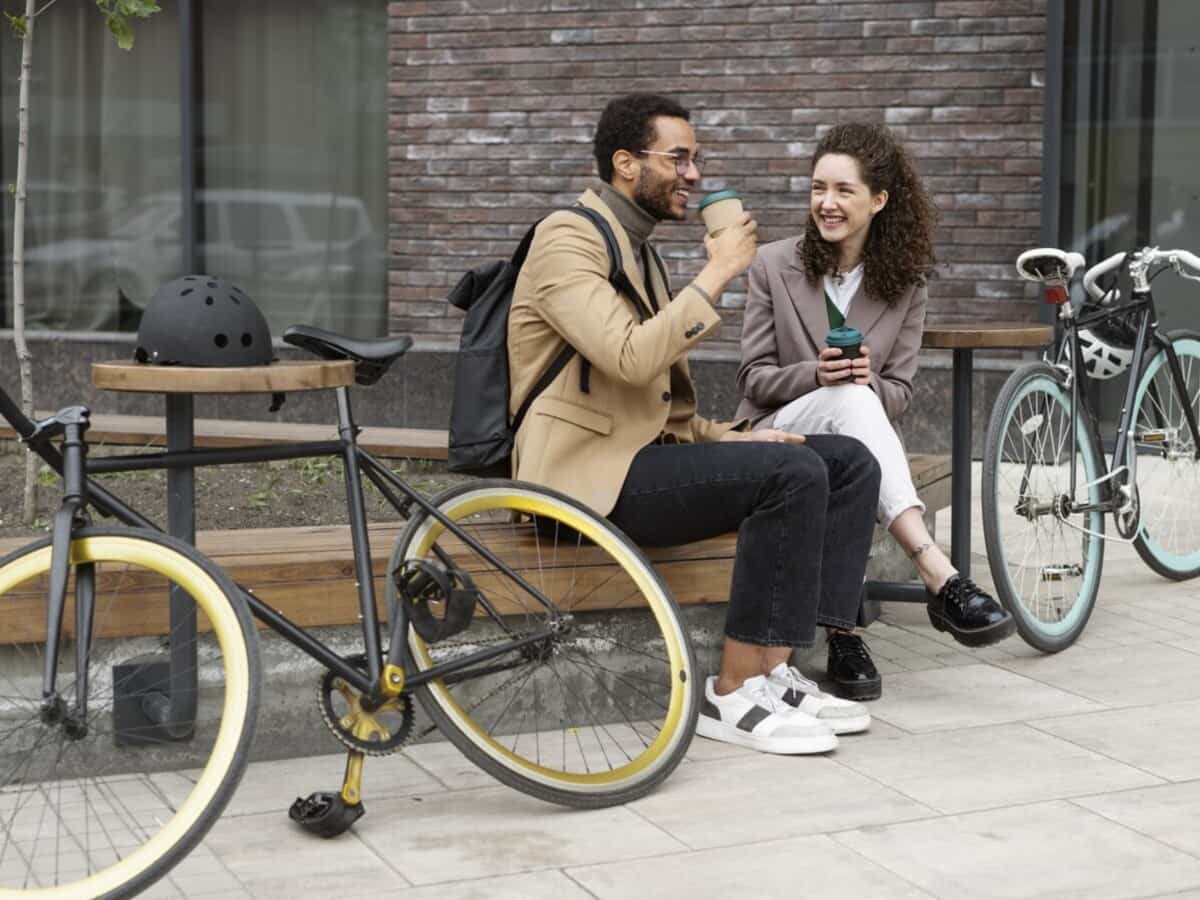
column 846, row 339
column 720, row 210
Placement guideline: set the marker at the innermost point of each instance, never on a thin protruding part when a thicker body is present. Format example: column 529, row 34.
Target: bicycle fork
column 70, row 424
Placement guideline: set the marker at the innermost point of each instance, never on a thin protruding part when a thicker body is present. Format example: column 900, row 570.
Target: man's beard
column 654, row 196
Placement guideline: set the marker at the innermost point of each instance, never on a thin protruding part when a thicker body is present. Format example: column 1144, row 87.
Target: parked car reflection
column 304, row 257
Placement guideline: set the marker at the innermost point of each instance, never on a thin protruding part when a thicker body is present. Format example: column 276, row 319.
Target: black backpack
column 481, row 432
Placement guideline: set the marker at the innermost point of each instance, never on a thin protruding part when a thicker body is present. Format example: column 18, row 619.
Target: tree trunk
column 24, row 359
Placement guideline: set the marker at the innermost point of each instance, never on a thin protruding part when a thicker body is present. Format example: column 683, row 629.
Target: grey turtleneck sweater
column 638, row 223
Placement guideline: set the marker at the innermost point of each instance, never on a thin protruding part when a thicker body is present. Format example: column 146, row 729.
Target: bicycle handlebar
column 1101, row 268
column 1139, row 262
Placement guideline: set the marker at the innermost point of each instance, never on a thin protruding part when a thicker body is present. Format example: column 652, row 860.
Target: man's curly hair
column 899, row 249
column 627, row 123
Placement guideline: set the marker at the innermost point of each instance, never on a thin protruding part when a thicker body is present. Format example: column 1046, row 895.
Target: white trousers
column 855, row 410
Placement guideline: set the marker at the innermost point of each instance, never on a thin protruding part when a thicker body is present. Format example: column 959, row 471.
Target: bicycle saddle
column 1048, row 265
column 371, row 357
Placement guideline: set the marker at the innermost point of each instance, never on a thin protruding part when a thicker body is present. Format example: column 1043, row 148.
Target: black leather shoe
column 971, row 616
column 850, row 669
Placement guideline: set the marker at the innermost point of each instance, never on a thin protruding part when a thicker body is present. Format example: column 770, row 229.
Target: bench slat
column 150, row 431
column 307, row 572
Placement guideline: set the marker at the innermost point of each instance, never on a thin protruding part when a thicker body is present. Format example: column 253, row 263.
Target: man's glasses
column 682, row 161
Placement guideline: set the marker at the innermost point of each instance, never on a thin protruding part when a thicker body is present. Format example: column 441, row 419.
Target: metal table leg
column 960, row 500
column 156, row 696
column 960, row 461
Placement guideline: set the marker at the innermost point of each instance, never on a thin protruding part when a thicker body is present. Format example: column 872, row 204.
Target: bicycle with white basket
column 1047, row 485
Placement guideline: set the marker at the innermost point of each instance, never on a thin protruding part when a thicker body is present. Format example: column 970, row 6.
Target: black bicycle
column 538, row 638
column 1047, row 485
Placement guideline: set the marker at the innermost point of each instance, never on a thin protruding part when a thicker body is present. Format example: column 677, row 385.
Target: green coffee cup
column 846, row 339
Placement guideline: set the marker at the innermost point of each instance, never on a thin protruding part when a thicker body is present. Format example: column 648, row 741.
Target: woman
column 862, row 262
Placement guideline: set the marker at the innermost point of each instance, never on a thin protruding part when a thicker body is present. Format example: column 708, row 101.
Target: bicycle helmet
column 199, row 320
column 1107, row 348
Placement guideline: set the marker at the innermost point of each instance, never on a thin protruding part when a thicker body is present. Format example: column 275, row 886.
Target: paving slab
column 1170, row 814
column 1163, row 739
column 957, row 771
column 1133, row 675
column 808, row 867
column 737, row 800
column 1036, row 851
column 969, row 696
column 498, row 831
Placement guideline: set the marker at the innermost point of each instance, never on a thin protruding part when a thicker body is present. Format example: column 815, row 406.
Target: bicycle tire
column 1168, row 473
column 1027, row 449
column 77, row 819
column 611, row 731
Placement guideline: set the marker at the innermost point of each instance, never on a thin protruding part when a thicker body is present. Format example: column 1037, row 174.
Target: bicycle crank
column 377, row 732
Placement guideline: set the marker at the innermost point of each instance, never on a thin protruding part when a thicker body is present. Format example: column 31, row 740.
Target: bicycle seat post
column 347, row 431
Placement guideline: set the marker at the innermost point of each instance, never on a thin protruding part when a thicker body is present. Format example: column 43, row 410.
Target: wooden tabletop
column 978, row 335
column 290, row 375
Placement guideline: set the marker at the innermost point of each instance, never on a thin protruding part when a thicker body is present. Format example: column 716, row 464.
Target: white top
column 842, row 289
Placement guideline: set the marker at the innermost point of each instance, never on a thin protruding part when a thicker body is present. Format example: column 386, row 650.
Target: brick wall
column 493, row 104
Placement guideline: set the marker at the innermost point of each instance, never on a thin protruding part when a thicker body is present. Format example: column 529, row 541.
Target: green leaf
column 17, row 24
column 122, row 31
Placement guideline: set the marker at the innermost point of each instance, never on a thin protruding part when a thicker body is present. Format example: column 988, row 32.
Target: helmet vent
column 208, row 301
column 221, row 341
column 212, row 284
column 185, row 292
column 247, row 339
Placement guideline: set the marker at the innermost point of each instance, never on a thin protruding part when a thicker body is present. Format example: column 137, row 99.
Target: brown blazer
column 785, row 327
column 582, row 442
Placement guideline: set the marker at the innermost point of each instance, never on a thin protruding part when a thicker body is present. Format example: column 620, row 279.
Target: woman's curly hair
column 899, row 248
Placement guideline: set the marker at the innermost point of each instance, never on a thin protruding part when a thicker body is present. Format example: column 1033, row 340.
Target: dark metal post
column 187, row 136
column 960, row 461
column 181, row 523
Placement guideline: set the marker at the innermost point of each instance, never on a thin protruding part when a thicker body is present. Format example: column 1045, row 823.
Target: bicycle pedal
column 325, row 813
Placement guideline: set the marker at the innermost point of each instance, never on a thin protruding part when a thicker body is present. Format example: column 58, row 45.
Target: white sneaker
column 787, row 686
column 751, row 717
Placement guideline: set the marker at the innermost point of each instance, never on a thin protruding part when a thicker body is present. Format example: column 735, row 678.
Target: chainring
column 1129, row 523
column 378, row 733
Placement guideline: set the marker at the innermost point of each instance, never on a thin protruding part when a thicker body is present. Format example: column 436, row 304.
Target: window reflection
column 1132, row 123
column 291, row 207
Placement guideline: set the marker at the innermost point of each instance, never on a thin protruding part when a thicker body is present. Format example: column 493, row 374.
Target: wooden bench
column 307, row 573
column 150, row 431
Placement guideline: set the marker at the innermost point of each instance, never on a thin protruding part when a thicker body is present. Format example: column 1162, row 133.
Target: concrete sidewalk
column 992, row 773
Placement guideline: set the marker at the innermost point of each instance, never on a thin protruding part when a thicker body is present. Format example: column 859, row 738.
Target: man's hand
column 729, row 255
column 833, row 370
column 772, row 435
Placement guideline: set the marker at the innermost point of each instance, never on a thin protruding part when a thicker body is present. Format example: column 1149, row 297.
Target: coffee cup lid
column 844, row 336
column 717, row 197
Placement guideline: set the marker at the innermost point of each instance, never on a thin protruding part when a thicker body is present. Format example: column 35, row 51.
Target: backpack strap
column 616, row 277
column 616, row 268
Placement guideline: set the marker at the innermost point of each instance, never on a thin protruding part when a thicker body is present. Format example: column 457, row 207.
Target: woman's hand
column 860, row 369
column 833, row 370
column 772, row 435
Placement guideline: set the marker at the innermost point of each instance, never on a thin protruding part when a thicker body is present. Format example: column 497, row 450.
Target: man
column 617, row 429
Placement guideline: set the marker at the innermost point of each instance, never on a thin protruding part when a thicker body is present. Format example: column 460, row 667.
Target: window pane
column 304, row 195
column 103, row 169
column 1131, row 126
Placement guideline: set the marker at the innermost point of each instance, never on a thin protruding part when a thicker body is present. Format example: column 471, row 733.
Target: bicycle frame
column 1116, row 479
column 81, row 491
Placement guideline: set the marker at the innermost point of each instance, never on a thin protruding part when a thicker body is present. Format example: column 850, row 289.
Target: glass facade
column 291, row 163
column 1131, row 129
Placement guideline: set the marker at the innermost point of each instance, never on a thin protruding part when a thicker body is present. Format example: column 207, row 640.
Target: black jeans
column 804, row 517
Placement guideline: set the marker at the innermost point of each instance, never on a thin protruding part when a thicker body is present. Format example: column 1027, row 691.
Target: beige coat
column 785, row 327
column 583, row 443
